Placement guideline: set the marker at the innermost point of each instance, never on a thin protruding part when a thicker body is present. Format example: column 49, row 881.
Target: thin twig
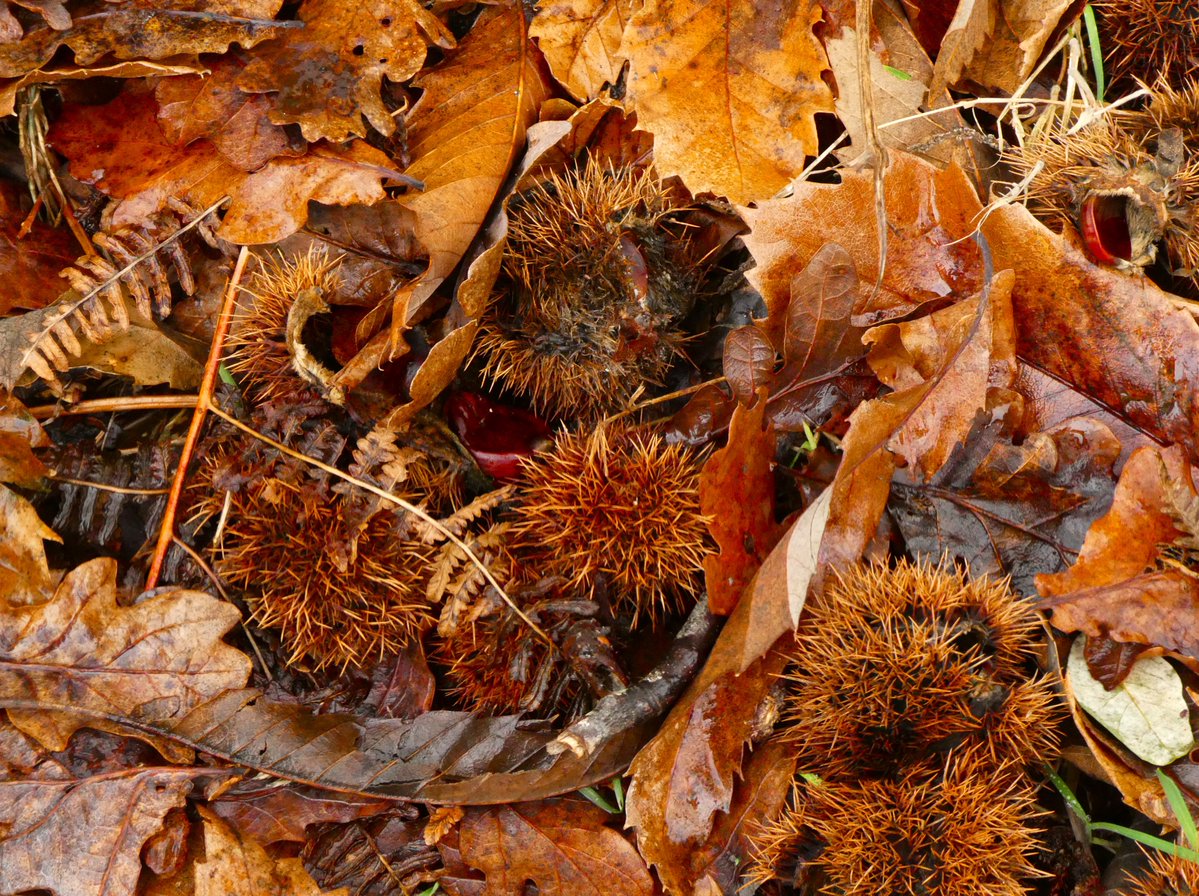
column 678, row 393
column 391, row 499
column 105, row 487
column 116, row 405
column 203, row 403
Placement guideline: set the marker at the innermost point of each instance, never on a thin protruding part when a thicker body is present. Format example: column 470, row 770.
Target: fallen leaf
column 736, row 490
column 120, row 148
column 271, row 814
column 997, row 43
column 29, row 264
column 1118, row 339
column 132, row 30
column 328, row 75
column 1146, row 712
column 464, row 134
column 231, row 864
column 1117, row 588
column 212, row 108
column 1007, row 504
column 19, row 435
column 84, row 837
column 10, row 89
column 87, row 659
column 563, row 847
column 24, row 576
column 581, row 41
column 930, row 216
column 749, row 77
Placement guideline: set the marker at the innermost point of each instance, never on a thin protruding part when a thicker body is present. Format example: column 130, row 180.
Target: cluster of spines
column 1167, row 875
column 909, row 695
column 617, row 510
column 596, row 289
column 1150, row 39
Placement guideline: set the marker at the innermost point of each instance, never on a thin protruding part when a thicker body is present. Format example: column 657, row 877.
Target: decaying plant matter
column 597, row 284
column 1166, row 875
column 1148, row 40
column 910, row 697
column 1128, row 181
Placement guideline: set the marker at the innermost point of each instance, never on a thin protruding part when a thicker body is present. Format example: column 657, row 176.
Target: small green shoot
column 807, row 446
column 598, row 799
column 430, row 891
column 1173, row 794
column 1092, row 27
column 898, row 73
column 226, row 377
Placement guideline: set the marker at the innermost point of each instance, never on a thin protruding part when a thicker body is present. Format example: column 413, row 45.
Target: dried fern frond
column 133, row 278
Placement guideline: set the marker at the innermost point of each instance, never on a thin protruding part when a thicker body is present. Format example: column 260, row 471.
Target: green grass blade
column 1092, row 26
column 1149, row 840
column 593, row 796
column 1186, row 821
column 1068, row 795
column 618, row 792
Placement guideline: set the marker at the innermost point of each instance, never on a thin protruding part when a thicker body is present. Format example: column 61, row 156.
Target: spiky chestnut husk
column 895, row 665
column 615, row 509
column 965, row 830
column 1127, row 182
column 596, row 290
column 1149, row 40
column 497, row 664
column 340, row 592
column 1167, row 875
column 259, row 350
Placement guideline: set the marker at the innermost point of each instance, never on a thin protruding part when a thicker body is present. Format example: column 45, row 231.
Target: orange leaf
column 581, row 41
column 328, row 75
column 563, row 846
column 749, row 77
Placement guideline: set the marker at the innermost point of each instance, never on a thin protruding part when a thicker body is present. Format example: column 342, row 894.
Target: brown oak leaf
column 29, row 263
column 328, row 75
column 748, row 76
column 84, row 837
column 144, row 30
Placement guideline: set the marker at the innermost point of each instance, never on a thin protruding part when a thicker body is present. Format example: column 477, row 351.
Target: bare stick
column 648, row 698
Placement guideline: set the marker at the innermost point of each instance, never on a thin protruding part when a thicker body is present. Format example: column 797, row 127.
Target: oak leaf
column 24, row 576
column 749, row 76
column 121, row 149
column 84, row 837
column 328, row 75
column 29, row 263
column 563, row 847
column 82, row 659
column 136, row 30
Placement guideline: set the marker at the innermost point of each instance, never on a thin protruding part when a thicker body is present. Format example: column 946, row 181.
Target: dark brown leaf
column 29, row 263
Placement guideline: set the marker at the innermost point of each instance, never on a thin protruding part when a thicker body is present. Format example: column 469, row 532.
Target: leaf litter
column 584, row 370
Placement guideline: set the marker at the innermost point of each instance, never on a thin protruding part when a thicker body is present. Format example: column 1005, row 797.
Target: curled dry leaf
column 270, row 813
column 24, row 576
column 997, row 43
column 84, row 837
column 581, row 42
column 749, row 76
column 564, row 847
column 328, row 75
column 1119, row 588
column 19, row 435
column 121, row 148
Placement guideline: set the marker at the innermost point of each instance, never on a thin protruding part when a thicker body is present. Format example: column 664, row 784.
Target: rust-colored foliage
column 1150, row 39
column 616, row 512
column 1167, row 875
